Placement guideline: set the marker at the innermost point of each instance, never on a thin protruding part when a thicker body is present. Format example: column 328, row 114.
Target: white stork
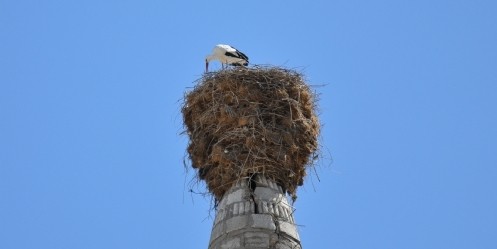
column 227, row 55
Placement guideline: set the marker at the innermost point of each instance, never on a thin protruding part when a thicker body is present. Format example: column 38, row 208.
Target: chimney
column 254, row 213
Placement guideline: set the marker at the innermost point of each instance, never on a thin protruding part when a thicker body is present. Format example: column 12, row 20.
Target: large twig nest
column 244, row 121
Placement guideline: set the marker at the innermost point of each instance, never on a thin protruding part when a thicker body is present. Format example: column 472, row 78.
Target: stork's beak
column 206, row 66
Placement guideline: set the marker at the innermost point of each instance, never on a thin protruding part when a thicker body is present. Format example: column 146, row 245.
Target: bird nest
column 246, row 121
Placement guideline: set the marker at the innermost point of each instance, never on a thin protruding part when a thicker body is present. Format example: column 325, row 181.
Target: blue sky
column 90, row 97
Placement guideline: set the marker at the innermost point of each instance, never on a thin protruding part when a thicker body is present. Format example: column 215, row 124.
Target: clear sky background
column 91, row 154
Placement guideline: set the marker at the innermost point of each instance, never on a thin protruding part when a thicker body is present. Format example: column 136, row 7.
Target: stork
column 227, row 55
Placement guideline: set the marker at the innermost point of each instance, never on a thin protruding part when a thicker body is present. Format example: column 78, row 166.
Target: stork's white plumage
column 227, row 55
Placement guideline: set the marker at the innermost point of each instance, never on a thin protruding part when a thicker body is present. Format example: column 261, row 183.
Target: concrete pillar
column 254, row 214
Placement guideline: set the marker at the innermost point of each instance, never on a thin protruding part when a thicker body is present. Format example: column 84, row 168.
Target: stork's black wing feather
column 242, row 55
column 234, row 55
column 237, row 54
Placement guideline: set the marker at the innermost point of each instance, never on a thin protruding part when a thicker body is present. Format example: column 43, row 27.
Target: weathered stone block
column 249, row 207
column 219, row 216
column 263, row 221
column 236, row 196
column 217, row 231
column 283, row 212
column 236, row 223
column 289, row 229
column 231, row 243
column 266, row 194
column 241, row 208
column 235, row 209
column 263, row 207
column 270, row 208
column 256, row 240
column 287, row 245
column 275, row 209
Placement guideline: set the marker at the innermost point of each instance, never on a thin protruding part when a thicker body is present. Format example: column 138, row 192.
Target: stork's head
column 208, row 58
